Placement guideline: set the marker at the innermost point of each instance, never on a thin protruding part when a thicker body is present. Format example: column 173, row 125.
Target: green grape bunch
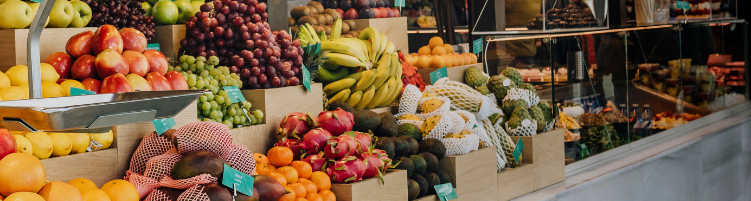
column 216, row 106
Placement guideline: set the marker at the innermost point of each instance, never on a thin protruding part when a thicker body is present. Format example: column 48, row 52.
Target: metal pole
column 32, row 48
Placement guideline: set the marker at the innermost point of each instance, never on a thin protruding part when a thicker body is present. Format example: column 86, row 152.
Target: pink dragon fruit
column 373, row 165
column 364, row 140
column 348, row 169
column 295, row 124
column 317, row 161
column 314, row 141
column 293, row 144
column 341, row 146
column 387, row 162
column 336, row 122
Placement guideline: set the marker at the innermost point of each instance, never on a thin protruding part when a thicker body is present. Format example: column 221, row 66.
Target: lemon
column 42, row 144
column 4, row 80
column 67, row 84
column 13, row 93
column 51, row 90
column 23, row 145
column 61, row 144
column 49, row 74
column 80, row 142
column 103, row 138
column 18, row 75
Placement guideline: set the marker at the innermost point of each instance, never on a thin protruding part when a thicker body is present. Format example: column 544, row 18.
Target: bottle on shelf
column 622, row 109
column 647, row 121
column 635, row 120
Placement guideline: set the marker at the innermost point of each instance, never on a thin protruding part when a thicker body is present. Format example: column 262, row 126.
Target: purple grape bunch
column 121, row 14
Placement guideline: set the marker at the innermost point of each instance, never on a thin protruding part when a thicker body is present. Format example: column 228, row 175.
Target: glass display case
column 617, row 86
column 541, row 16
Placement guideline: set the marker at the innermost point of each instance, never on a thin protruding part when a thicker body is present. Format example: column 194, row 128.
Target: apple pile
column 121, row 14
column 362, row 9
column 237, row 33
column 20, row 14
column 112, row 61
column 171, row 12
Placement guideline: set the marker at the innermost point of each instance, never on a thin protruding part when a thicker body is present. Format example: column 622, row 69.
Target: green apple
column 146, row 6
column 15, row 15
column 165, row 13
column 82, row 16
column 185, row 11
column 152, row 2
column 34, row 7
column 197, row 6
column 62, row 14
column 3, row 1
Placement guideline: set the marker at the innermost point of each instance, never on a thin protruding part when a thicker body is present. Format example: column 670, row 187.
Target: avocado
column 433, row 180
column 406, row 164
column 444, row 176
column 413, row 188
column 414, row 147
column 196, row 163
column 433, row 146
column 385, row 144
column 339, row 104
column 423, row 184
column 401, row 147
column 410, row 130
column 366, row 121
column 431, row 161
column 388, row 126
column 217, row 192
column 420, row 164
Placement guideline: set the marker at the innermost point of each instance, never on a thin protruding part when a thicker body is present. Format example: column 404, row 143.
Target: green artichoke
column 513, row 74
column 474, row 77
column 495, row 84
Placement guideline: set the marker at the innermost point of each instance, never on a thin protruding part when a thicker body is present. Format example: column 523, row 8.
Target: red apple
column 133, row 39
column 84, row 68
column 351, row 14
column 116, row 83
column 176, row 80
column 7, row 143
column 138, row 83
column 157, row 61
column 80, row 44
column 62, row 63
column 377, row 12
column 396, row 12
column 137, row 62
column 340, row 11
column 92, row 84
column 110, row 62
column 107, row 37
column 158, row 82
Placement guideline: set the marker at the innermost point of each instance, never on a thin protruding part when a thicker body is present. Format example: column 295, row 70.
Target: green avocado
column 433, row 146
column 366, row 121
column 420, row 165
column 410, row 130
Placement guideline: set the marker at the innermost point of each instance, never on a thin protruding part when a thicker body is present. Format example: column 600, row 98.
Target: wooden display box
column 95, row 166
column 455, row 73
column 168, row 37
column 13, row 47
column 544, row 157
column 257, row 138
column 395, row 29
column 394, row 188
column 473, row 174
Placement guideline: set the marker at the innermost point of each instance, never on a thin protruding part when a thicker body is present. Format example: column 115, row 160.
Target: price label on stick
column 518, row 150
column 445, row 192
column 438, row 74
column 682, row 5
column 237, row 180
column 234, row 94
column 306, row 78
column 399, row 3
column 162, row 125
column 477, row 46
column 584, row 150
column 153, row 46
column 78, row 92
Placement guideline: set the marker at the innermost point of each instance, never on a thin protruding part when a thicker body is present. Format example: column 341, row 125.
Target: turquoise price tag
column 162, row 125
column 682, row 5
column 445, row 191
column 518, row 150
column 237, row 180
column 77, row 92
column 399, row 3
column 438, row 74
column 477, row 46
column 234, row 94
column 584, row 150
column 306, row 78
column 38, row 1
column 153, row 46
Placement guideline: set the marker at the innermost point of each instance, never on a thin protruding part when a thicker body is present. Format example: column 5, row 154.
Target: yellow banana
column 382, row 47
column 366, row 98
column 383, row 71
column 313, row 34
column 368, row 77
column 375, row 39
column 394, row 93
column 336, row 30
column 344, row 48
column 339, row 85
column 354, row 98
column 378, row 97
column 396, row 66
column 341, row 96
column 389, row 48
column 392, row 86
column 398, row 70
column 344, row 60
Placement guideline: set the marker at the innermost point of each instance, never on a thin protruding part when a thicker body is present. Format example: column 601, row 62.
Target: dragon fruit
column 314, row 141
column 317, row 161
column 341, row 146
column 346, row 170
column 293, row 144
column 295, row 124
column 364, row 140
column 336, row 122
column 373, row 165
column 387, row 162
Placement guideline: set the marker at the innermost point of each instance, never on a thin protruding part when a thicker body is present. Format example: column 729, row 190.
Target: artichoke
column 483, row 90
column 509, row 105
column 511, row 73
column 519, row 115
column 538, row 116
column 529, row 87
column 474, row 77
column 495, row 84
column 547, row 111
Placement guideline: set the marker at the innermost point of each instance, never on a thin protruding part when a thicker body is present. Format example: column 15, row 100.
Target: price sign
column 584, row 150
column 77, row 92
column 306, row 78
column 477, row 46
column 445, row 192
column 234, row 94
column 153, row 46
column 399, row 3
column 162, row 125
column 38, row 1
column 518, row 150
column 237, row 180
column 682, row 5
column 438, row 74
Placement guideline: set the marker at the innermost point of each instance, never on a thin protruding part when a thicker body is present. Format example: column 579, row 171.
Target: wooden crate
column 168, row 37
column 393, row 189
column 455, row 73
column 395, row 29
column 95, row 166
column 257, row 138
column 544, row 157
column 472, row 174
column 13, row 47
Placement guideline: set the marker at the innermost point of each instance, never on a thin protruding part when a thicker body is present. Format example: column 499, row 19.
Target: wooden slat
column 97, row 166
column 395, row 29
column 169, row 37
column 393, row 189
column 257, row 138
column 544, row 154
column 13, row 47
column 472, row 174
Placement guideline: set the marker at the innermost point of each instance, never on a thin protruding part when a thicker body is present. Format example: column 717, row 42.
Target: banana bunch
column 308, row 35
column 377, row 87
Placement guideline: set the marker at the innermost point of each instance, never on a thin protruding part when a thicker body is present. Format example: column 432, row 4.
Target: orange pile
column 437, row 54
column 296, row 176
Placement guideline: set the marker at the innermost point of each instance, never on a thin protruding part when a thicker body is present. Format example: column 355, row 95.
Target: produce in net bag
column 152, row 145
column 432, row 106
column 144, row 185
column 460, row 143
column 195, row 193
column 537, row 115
column 241, row 159
column 488, row 107
column 498, row 141
column 161, row 166
column 408, row 119
column 518, row 93
column 472, row 125
column 462, row 96
column 521, row 123
column 208, row 136
column 440, row 125
column 187, row 183
column 160, row 194
column 409, row 100
column 499, row 85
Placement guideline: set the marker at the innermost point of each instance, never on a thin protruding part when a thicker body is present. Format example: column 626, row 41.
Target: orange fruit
column 303, row 168
column 280, row 156
column 472, row 58
column 438, row 50
column 260, row 158
column 321, row 180
column 265, row 168
column 24, row 196
column 449, row 60
column 301, row 180
column 62, row 191
column 458, row 60
column 424, row 50
column 95, row 195
column 299, row 189
column 435, row 41
column 289, row 196
column 120, row 190
column 21, row 173
column 423, row 62
column 449, row 49
column 301, row 199
column 437, row 62
column 327, row 195
column 313, row 197
column 289, row 173
column 279, row 177
column 82, row 184
column 309, row 186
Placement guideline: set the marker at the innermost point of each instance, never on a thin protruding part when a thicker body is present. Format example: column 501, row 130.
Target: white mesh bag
column 476, row 128
column 444, row 126
column 458, row 123
column 528, row 128
column 496, row 140
column 549, row 127
column 517, row 93
column 461, row 95
column 444, row 108
column 460, row 146
column 488, row 107
column 409, row 100
column 404, row 121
